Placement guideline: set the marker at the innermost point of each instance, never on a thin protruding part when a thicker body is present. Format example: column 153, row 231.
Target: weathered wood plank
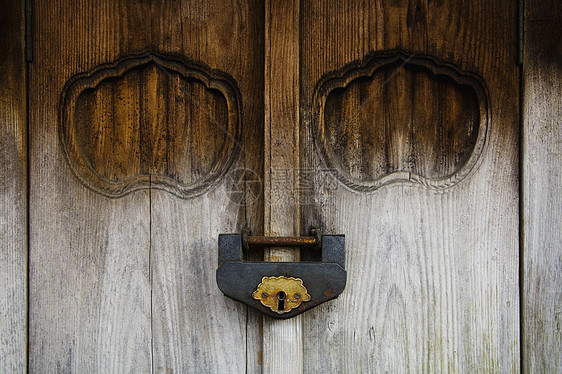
column 432, row 272
column 196, row 329
column 542, row 187
column 282, row 339
column 13, row 187
column 90, row 290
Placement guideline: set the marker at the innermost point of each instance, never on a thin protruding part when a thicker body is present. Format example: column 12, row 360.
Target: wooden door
column 142, row 113
column 407, row 144
column 152, row 126
column 413, row 108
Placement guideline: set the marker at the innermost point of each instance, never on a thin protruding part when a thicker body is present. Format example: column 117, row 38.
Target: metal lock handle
column 281, row 289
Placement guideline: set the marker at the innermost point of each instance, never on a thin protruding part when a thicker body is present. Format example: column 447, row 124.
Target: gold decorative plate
column 281, row 294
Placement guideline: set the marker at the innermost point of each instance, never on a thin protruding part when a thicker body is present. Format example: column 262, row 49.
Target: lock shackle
column 281, row 241
column 313, row 241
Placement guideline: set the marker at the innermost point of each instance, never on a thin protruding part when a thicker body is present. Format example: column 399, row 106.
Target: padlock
column 281, row 289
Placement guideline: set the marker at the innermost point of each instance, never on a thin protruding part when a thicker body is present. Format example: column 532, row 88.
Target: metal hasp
column 281, row 289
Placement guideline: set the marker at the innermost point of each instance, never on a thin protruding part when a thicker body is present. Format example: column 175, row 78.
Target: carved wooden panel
column 396, row 116
column 150, row 120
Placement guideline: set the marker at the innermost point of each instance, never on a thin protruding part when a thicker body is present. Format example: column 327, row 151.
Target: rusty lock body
column 281, row 289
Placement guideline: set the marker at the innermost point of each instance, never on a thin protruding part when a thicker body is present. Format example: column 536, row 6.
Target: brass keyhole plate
column 281, row 294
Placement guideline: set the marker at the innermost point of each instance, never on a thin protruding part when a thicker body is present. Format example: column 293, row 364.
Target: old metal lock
column 282, row 289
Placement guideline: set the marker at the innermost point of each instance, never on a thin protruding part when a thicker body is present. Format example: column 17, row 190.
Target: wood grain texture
column 432, row 276
column 127, row 284
column 90, row 292
column 150, row 120
column 282, row 339
column 542, row 188
column 196, row 329
column 399, row 113
column 13, row 190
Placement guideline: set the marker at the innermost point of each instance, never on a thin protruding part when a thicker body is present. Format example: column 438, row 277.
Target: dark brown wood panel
column 398, row 113
column 13, row 190
column 151, row 120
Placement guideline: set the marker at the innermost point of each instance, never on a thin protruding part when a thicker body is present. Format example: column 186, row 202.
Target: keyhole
column 281, row 295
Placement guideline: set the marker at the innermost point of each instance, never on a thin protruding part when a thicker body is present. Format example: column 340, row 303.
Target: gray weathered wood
column 282, row 339
column 432, row 274
column 13, row 187
column 196, row 329
column 127, row 284
column 542, row 187
column 89, row 255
